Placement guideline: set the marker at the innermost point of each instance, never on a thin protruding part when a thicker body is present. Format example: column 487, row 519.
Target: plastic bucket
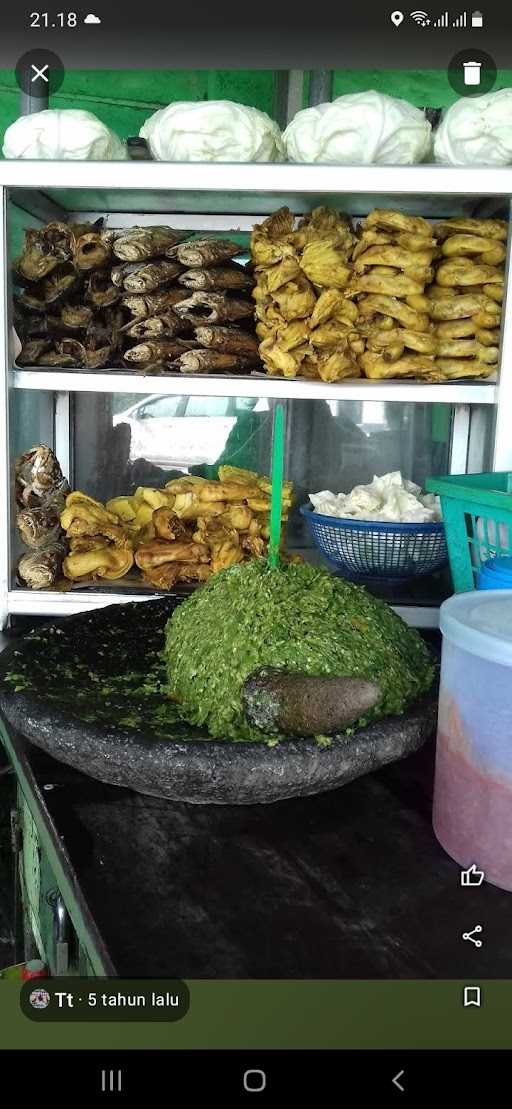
column 473, row 780
column 496, row 573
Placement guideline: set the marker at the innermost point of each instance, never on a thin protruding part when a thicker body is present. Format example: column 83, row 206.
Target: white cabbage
column 362, row 128
column 67, row 133
column 212, row 131
column 476, row 131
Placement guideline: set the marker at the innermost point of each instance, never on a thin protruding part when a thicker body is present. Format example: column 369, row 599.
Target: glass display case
column 114, row 430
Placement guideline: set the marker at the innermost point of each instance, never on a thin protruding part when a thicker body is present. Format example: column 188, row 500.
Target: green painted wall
column 123, row 99
column 425, row 88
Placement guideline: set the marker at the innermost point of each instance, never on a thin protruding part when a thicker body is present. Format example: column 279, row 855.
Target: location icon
column 397, row 18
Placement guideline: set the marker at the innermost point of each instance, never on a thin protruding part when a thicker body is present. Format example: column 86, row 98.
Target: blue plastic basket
column 384, row 552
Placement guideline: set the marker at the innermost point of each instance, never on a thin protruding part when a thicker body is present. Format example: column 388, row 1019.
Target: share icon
column 470, row 935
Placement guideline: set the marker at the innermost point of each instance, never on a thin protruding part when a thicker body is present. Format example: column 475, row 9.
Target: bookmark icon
column 472, row 996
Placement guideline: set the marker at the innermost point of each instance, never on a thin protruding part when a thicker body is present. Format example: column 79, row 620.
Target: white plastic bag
column 388, row 498
column 66, row 133
column 212, row 131
column 361, row 128
column 476, row 131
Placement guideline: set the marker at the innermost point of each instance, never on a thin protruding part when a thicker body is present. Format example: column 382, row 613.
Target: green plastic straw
column 277, row 485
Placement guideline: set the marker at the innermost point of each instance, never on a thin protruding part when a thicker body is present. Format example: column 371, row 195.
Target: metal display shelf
column 210, row 385
column 221, row 198
column 235, row 180
column 28, row 602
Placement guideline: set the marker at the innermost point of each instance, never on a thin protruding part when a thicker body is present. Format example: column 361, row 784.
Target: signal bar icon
column 460, row 21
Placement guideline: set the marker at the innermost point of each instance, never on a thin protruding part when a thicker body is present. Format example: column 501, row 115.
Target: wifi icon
column 421, row 18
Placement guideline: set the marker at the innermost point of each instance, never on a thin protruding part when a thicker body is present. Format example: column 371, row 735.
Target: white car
column 177, row 432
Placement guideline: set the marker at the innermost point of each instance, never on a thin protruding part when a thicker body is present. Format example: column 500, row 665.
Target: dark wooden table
column 348, row 884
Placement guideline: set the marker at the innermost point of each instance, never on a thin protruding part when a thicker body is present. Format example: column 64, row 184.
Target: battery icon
column 477, row 19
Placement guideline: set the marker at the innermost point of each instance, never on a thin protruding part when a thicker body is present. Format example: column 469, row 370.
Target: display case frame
column 222, row 198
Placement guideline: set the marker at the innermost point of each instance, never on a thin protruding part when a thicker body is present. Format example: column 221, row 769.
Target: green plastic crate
column 477, row 512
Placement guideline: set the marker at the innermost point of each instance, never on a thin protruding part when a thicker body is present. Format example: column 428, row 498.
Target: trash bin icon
column 472, row 73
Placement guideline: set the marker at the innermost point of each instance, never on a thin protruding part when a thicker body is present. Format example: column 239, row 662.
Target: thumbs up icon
column 472, row 876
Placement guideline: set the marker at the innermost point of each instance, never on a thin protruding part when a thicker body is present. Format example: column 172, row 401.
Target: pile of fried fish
column 140, row 298
column 395, row 297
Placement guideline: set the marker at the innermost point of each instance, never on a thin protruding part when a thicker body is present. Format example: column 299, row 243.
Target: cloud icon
column 92, row 18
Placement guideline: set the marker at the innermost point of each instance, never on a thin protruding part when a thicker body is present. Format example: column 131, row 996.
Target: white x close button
column 40, row 73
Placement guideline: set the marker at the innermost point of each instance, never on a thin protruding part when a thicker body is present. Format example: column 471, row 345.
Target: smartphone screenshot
column 256, row 551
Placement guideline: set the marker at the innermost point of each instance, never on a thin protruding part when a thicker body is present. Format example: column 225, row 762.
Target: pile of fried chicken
column 395, row 297
column 184, row 532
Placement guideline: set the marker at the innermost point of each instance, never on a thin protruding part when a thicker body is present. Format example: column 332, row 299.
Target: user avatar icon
column 39, row 999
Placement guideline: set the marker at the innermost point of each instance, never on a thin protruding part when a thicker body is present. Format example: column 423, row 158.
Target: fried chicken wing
column 462, row 271
column 452, row 368
column 160, row 551
column 392, row 306
column 488, row 228
column 389, row 219
column 168, row 525
column 376, row 367
column 459, row 307
column 83, row 508
column 237, row 516
column 101, row 562
column 170, row 573
column 325, row 265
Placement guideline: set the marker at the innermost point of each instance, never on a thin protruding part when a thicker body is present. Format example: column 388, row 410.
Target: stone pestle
column 294, row 703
